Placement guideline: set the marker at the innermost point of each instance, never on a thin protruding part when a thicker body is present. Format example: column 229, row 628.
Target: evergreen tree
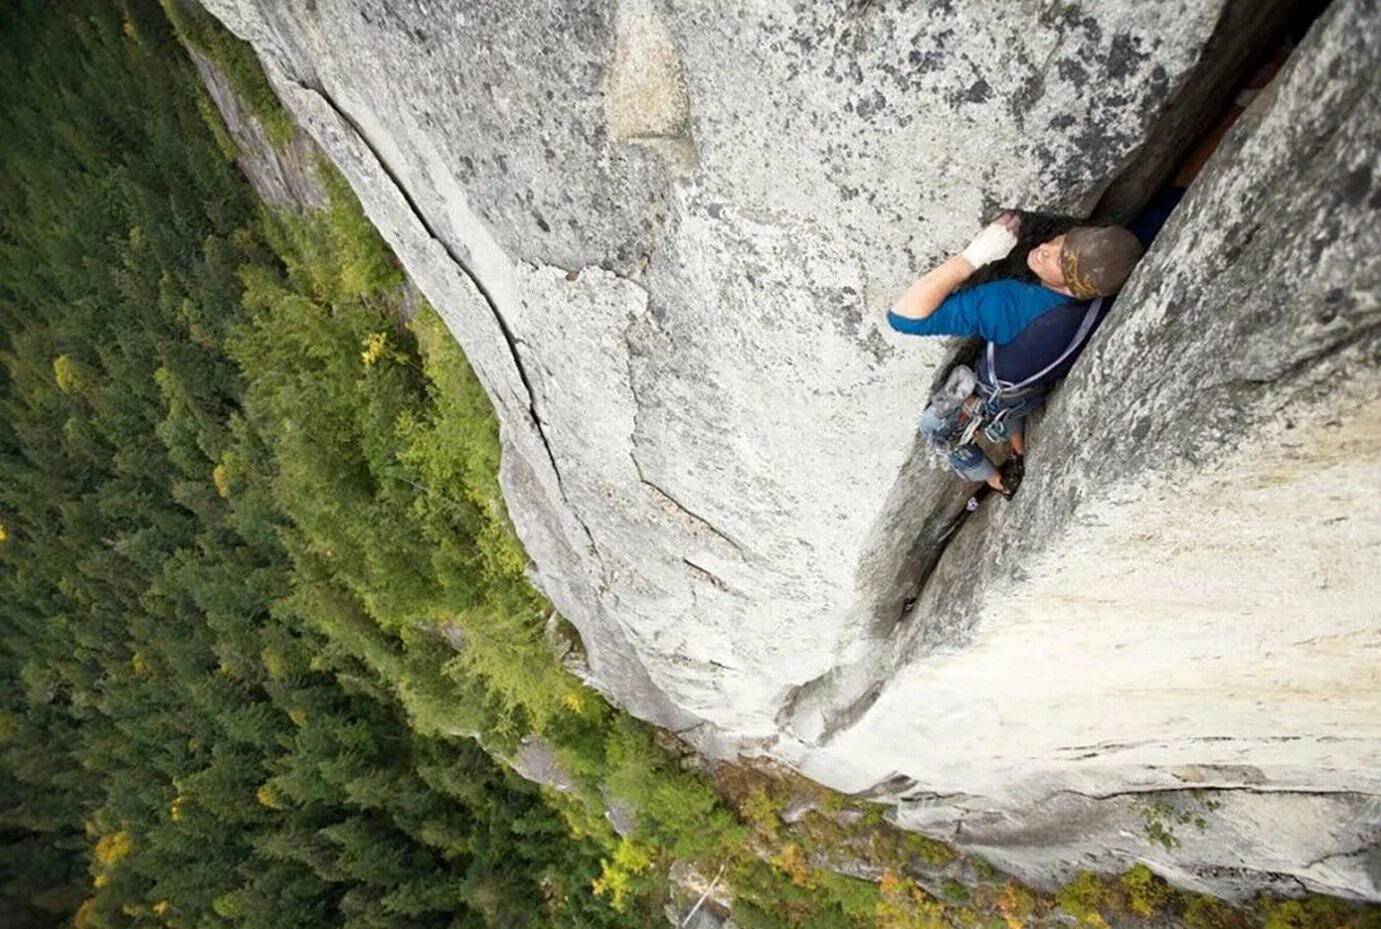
column 210, row 563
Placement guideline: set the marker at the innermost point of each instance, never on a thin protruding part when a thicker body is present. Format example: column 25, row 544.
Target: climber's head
column 1087, row 262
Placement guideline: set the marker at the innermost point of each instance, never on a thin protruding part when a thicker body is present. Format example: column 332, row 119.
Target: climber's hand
column 995, row 242
column 929, row 290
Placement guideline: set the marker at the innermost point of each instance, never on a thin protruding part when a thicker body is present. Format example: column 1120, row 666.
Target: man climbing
column 1032, row 330
column 1035, row 330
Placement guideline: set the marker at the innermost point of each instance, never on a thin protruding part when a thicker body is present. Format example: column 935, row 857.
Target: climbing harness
column 1007, row 390
column 972, row 404
column 952, row 400
column 996, row 429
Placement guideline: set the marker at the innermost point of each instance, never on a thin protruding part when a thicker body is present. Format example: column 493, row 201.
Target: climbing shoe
column 1012, row 471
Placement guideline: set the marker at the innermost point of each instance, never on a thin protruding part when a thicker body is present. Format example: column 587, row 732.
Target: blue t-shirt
column 997, row 311
column 1042, row 342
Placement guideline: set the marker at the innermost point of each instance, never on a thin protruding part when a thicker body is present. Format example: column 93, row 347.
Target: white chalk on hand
column 994, row 243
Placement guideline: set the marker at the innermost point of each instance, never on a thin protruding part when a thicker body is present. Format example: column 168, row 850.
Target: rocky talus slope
column 665, row 233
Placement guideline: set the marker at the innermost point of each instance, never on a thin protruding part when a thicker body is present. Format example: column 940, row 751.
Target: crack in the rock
column 708, row 575
column 629, row 354
column 840, row 718
column 1371, row 846
column 511, row 340
column 696, row 518
column 1243, row 29
column 1216, row 788
column 925, row 550
column 1321, row 354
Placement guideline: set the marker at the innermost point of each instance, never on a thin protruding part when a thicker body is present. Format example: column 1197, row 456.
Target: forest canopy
column 239, row 498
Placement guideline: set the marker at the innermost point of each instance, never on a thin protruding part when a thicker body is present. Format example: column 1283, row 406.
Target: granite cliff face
column 664, row 233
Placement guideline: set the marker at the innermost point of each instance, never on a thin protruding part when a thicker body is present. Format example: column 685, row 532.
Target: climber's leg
column 970, row 463
column 934, row 428
column 1010, row 419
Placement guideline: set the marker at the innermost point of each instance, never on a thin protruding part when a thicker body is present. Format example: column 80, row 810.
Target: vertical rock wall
column 282, row 176
column 664, row 233
column 1187, row 595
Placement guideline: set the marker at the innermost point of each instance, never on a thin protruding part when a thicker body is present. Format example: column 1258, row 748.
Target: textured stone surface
column 536, row 760
column 1186, row 592
column 1228, row 841
column 699, row 901
column 283, row 176
column 664, row 232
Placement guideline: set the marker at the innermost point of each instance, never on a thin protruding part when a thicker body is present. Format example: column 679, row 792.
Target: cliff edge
column 664, row 234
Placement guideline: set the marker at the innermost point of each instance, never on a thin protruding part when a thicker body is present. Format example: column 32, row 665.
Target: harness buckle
column 996, row 429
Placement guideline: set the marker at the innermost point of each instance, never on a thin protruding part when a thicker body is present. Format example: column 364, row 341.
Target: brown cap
column 1097, row 260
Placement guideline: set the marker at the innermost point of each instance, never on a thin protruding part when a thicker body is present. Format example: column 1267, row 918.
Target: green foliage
column 1016, row 905
column 760, row 811
column 386, row 454
column 1085, row 898
column 1316, row 912
column 1159, row 826
column 1145, row 892
column 1204, row 912
column 617, row 877
column 905, row 905
column 954, row 891
column 767, row 898
column 984, row 870
column 929, row 850
column 1163, row 816
column 856, row 899
column 364, row 263
column 458, row 448
column 680, row 812
column 199, row 29
column 226, row 604
column 1138, row 892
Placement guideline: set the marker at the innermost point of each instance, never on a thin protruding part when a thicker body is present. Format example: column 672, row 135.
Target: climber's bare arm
column 930, row 289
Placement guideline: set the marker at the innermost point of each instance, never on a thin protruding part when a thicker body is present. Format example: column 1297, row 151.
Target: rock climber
column 1032, row 332
column 1035, row 330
